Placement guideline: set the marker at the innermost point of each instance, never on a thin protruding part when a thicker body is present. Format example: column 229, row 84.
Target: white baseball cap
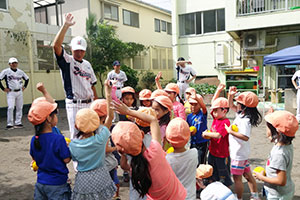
column 12, row 60
column 78, row 43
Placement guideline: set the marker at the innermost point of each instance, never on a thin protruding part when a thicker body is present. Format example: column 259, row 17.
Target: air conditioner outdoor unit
column 254, row 40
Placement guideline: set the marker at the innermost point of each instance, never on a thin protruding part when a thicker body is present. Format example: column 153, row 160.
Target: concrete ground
column 17, row 180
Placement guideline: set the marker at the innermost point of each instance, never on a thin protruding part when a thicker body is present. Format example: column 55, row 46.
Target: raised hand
column 232, row 91
column 158, row 76
column 69, row 19
column 40, row 87
column 220, row 87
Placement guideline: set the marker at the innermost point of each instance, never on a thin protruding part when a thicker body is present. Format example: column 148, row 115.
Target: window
column 130, row 18
column 163, row 26
column 169, row 28
column 45, row 55
column 202, row 22
column 157, row 25
column 3, row 4
column 40, row 15
column 111, row 12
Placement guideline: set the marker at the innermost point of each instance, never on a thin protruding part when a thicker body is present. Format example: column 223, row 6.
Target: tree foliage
column 104, row 47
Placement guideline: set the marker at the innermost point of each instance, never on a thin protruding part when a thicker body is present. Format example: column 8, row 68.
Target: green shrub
column 204, row 89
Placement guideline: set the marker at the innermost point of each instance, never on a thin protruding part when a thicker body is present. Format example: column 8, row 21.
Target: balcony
column 253, row 7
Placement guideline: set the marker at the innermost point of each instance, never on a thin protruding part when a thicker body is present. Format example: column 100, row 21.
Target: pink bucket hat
column 178, row 132
column 100, row 106
column 40, row 110
column 249, row 99
column 172, row 87
column 148, row 111
column 87, row 120
column 159, row 92
column 220, row 102
column 165, row 102
column 127, row 137
column 284, row 121
column 128, row 89
column 145, row 94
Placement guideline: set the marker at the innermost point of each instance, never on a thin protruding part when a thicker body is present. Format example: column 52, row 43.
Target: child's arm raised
column 202, row 104
column 236, row 134
column 110, row 112
column 154, row 127
column 232, row 91
column 279, row 180
column 218, row 91
column 158, row 76
column 40, row 87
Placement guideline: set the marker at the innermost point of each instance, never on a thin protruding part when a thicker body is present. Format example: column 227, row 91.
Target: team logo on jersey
column 82, row 73
column 184, row 72
column 13, row 78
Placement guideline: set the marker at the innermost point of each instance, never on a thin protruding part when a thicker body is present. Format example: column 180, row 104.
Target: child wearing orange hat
column 151, row 173
column 92, row 180
column 173, row 90
column 50, row 152
column 278, row 184
column 145, row 97
column 239, row 144
column 128, row 97
column 183, row 161
column 218, row 156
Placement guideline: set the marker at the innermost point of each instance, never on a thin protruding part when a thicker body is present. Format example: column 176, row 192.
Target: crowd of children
column 144, row 135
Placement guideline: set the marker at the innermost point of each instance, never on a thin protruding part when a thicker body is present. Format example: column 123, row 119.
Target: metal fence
column 248, row 7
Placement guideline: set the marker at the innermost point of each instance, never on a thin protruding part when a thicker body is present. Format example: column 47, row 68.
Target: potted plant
column 205, row 90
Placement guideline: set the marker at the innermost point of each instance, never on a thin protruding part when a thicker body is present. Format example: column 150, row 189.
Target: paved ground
column 17, row 180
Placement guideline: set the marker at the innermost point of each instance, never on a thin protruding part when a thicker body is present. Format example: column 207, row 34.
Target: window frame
column 169, row 32
column 5, row 9
column 112, row 5
column 138, row 26
column 159, row 27
column 163, row 30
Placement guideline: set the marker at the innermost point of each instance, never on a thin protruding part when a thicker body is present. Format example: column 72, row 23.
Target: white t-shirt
column 13, row 78
column 217, row 191
column 184, row 166
column 119, row 78
column 240, row 149
column 296, row 77
column 183, row 74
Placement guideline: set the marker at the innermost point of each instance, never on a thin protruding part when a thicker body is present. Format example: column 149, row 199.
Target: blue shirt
column 50, row 159
column 200, row 122
column 90, row 152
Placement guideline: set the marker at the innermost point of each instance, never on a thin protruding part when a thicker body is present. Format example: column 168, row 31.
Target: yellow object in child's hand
column 259, row 170
column 234, row 128
column 170, row 150
column 34, row 166
column 207, row 137
column 193, row 130
column 68, row 140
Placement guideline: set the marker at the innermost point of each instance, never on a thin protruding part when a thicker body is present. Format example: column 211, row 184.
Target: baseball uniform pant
column 182, row 88
column 14, row 99
column 298, row 105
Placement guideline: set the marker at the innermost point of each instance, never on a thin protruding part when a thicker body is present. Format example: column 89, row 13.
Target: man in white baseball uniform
column 14, row 89
column 77, row 74
column 296, row 83
column 117, row 77
column 183, row 75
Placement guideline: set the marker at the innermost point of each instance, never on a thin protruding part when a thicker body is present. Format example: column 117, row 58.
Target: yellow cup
column 259, row 170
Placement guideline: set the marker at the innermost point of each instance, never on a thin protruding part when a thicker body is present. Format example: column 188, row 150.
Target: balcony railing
column 249, row 7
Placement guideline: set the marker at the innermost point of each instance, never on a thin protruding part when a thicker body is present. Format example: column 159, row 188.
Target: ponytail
column 141, row 179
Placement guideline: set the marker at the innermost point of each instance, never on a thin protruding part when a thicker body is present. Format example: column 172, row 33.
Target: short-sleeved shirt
column 165, row 184
column 296, row 77
column 183, row 74
column 179, row 110
column 219, row 147
column 120, row 78
column 280, row 158
column 240, row 149
column 50, row 159
column 186, row 172
column 78, row 77
column 90, row 152
column 13, row 79
column 200, row 122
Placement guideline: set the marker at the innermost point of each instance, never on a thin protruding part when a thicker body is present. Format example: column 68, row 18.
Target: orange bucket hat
column 145, row 94
column 172, row 87
column 128, row 89
column 220, row 102
column 249, row 99
column 284, row 121
column 194, row 99
column 204, row 171
column 178, row 132
column 148, row 111
column 165, row 102
column 190, row 90
column 87, row 120
column 159, row 92
column 127, row 137
column 40, row 110
column 100, row 106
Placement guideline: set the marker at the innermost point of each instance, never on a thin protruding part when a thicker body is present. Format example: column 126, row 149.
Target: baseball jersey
column 183, row 74
column 13, row 79
column 78, row 77
column 296, row 77
column 120, row 78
